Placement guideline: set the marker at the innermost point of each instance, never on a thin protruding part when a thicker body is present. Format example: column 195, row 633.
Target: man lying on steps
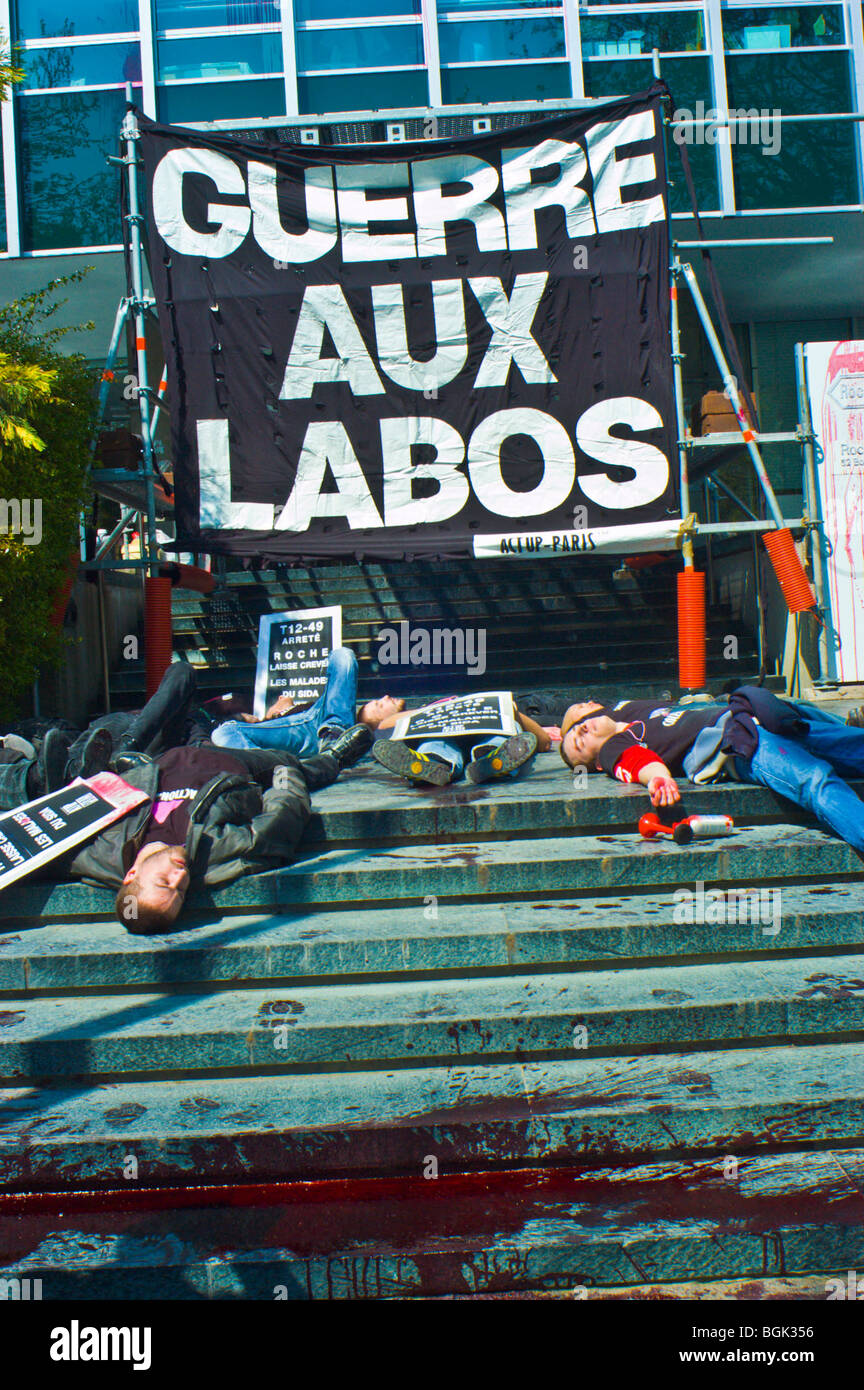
column 303, row 729
column 211, row 816
column 794, row 750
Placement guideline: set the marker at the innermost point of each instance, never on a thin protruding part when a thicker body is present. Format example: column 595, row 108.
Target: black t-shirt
column 667, row 730
column 182, row 774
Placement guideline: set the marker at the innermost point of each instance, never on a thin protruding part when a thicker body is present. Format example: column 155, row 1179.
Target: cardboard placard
column 486, row 713
column 292, row 654
column 41, row 830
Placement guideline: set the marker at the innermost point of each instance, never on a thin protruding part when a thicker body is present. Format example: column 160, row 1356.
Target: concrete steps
column 610, row 1227
column 588, row 625
column 474, row 1042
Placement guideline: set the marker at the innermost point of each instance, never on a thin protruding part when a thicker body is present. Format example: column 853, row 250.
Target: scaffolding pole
column 138, row 305
column 731, row 387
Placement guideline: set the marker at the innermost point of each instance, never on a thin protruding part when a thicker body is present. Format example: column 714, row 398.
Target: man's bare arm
column 544, row 742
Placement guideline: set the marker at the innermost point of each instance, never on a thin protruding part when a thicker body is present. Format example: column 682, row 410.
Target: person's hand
column 280, row 706
column 663, row 791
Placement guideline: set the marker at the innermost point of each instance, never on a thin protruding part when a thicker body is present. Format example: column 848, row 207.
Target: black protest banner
column 486, row 712
column 41, row 830
column 393, row 350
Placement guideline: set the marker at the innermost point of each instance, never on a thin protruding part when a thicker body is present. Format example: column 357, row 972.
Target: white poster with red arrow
column 835, row 382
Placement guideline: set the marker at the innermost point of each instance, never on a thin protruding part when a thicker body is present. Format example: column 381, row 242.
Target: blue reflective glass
column 69, row 195
column 237, row 55
column 622, row 36
column 362, row 91
column 214, row 14
column 220, row 101
column 814, row 167
column 55, row 19
column 516, row 82
column 795, row 83
column 383, row 46
column 352, row 9
column 688, row 78
column 807, row 27
column 467, row 6
column 82, row 66
column 501, row 39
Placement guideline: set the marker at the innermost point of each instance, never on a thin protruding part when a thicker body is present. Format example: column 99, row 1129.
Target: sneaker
column 408, row 763
column 855, row 717
column 501, row 761
column 349, row 747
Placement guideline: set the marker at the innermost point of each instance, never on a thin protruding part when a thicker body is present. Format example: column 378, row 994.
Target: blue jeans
column 452, row 751
column 332, row 712
column 810, row 770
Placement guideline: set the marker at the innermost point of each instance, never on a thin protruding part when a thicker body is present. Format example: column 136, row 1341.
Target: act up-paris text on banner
column 402, row 350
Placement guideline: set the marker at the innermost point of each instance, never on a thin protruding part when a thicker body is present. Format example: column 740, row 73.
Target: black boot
column 53, row 758
column 349, row 747
column 94, row 756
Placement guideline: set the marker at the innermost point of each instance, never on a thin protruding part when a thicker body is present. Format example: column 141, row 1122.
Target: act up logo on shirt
column 391, row 349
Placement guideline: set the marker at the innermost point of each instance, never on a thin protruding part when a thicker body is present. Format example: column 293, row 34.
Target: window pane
column 363, row 91
column 794, row 83
column 383, row 46
column 55, row 19
column 198, row 14
column 518, row 82
column 233, row 56
column 353, row 9
column 84, row 65
column 688, row 78
column 621, row 35
column 815, row 167
column 703, row 164
column 783, row 28
column 466, row 6
column 69, row 195
column 221, row 101
column 500, row 39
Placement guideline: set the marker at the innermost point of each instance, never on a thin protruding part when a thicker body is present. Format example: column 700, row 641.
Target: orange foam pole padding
column 691, row 630
column 189, row 577
column 790, row 574
column 157, row 630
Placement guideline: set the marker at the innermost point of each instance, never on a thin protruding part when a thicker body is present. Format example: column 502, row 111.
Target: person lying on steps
column 795, row 750
column 211, row 816
column 438, row 761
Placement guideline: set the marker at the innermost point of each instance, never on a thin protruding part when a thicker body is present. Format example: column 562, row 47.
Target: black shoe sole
column 97, row 753
column 53, row 759
column 511, row 755
column 413, row 766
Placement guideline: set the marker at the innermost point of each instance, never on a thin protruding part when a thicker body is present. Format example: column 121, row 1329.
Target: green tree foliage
column 47, row 403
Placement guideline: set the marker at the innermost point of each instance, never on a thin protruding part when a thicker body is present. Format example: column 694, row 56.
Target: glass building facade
column 792, row 166
column 192, row 61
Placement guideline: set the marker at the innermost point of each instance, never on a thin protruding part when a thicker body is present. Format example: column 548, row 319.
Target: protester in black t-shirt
column 210, row 816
